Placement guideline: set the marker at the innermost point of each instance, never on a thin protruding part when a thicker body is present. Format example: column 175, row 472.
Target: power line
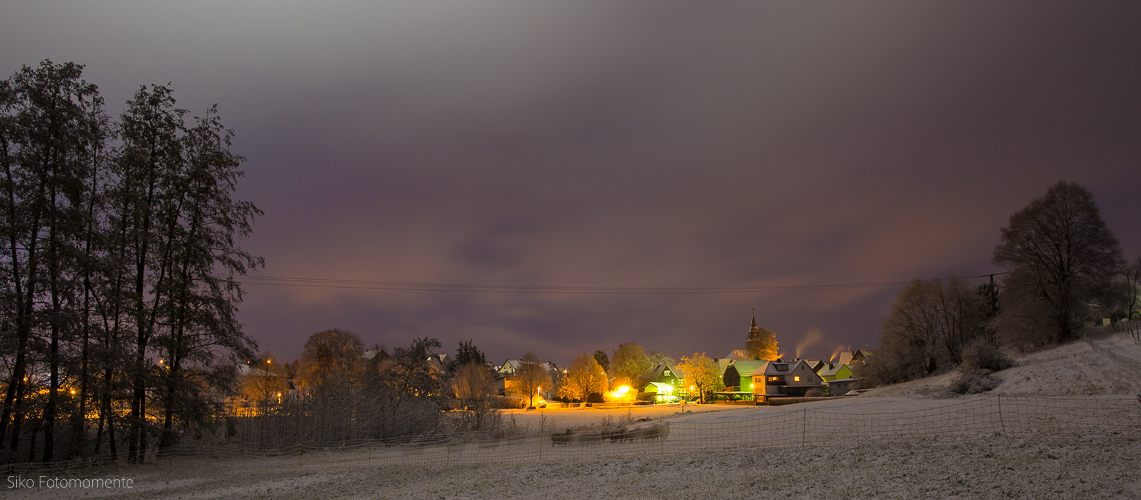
column 538, row 289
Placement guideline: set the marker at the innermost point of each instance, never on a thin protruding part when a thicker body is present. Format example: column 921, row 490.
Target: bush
column 982, row 355
column 973, row 381
column 509, row 402
column 814, row 392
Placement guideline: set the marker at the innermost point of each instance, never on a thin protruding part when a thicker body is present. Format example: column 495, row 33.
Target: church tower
column 761, row 343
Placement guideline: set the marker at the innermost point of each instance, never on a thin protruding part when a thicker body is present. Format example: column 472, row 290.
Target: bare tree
column 330, row 356
column 530, row 377
column 473, row 385
column 930, row 324
column 700, row 372
column 1060, row 255
column 656, row 358
column 583, row 378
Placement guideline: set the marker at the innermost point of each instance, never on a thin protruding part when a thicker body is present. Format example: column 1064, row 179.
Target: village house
column 834, row 371
column 505, row 374
column 838, row 379
column 851, row 357
column 785, row 378
column 439, row 362
column 738, row 375
column 661, row 385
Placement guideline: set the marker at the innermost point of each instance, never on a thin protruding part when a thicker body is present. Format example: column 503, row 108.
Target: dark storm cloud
column 634, row 144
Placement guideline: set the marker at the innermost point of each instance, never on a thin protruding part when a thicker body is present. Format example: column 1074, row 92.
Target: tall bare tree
column 50, row 121
column 583, row 378
column 203, row 292
column 530, row 377
column 931, row 323
column 1059, row 255
column 102, row 243
column 473, row 385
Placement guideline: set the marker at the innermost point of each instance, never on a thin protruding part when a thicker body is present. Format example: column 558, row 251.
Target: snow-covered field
column 906, row 441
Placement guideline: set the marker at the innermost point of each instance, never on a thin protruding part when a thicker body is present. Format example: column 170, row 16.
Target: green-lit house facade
column 738, row 375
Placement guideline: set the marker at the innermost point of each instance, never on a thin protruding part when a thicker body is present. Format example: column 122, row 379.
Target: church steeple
column 761, row 343
column 754, row 332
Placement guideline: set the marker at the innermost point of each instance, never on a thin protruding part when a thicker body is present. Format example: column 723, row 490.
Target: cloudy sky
column 535, row 147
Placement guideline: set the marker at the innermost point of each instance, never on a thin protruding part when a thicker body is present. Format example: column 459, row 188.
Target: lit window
column 796, row 378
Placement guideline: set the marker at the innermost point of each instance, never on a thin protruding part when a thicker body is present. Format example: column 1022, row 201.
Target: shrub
column 973, row 381
column 814, row 392
column 509, row 402
column 982, row 355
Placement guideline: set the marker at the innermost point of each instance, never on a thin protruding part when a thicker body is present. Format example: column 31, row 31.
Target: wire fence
column 806, row 425
column 1127, row 363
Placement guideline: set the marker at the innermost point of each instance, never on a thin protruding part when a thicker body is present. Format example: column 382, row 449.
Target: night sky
column 616, row 145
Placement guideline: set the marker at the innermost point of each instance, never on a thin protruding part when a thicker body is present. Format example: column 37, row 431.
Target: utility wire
column 538, row 289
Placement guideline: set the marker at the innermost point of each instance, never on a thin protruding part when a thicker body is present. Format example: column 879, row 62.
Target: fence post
column 1002, row 421
column 803, row 426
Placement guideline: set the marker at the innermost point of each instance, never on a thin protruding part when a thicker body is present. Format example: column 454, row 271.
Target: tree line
column 1063, row 269
column 119, row 267
column 339, row 391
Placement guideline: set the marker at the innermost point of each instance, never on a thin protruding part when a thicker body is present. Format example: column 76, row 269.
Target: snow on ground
column 558, row 418
column 1021, row 441
column 1039, row 468
column 1100, row 364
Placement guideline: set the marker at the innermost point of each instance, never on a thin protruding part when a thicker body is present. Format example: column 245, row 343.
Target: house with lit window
column 661, row 384
column 785, row 378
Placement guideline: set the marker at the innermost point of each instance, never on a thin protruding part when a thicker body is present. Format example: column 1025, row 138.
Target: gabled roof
column 774, row 368
column 736, row 354
column 440, row 361
column 745, row 368
column 657, row 371
column 830, row 369
column 655, row 374
column 815, row 364
column 509, row 367
column 846, row 357
column 722, row 364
